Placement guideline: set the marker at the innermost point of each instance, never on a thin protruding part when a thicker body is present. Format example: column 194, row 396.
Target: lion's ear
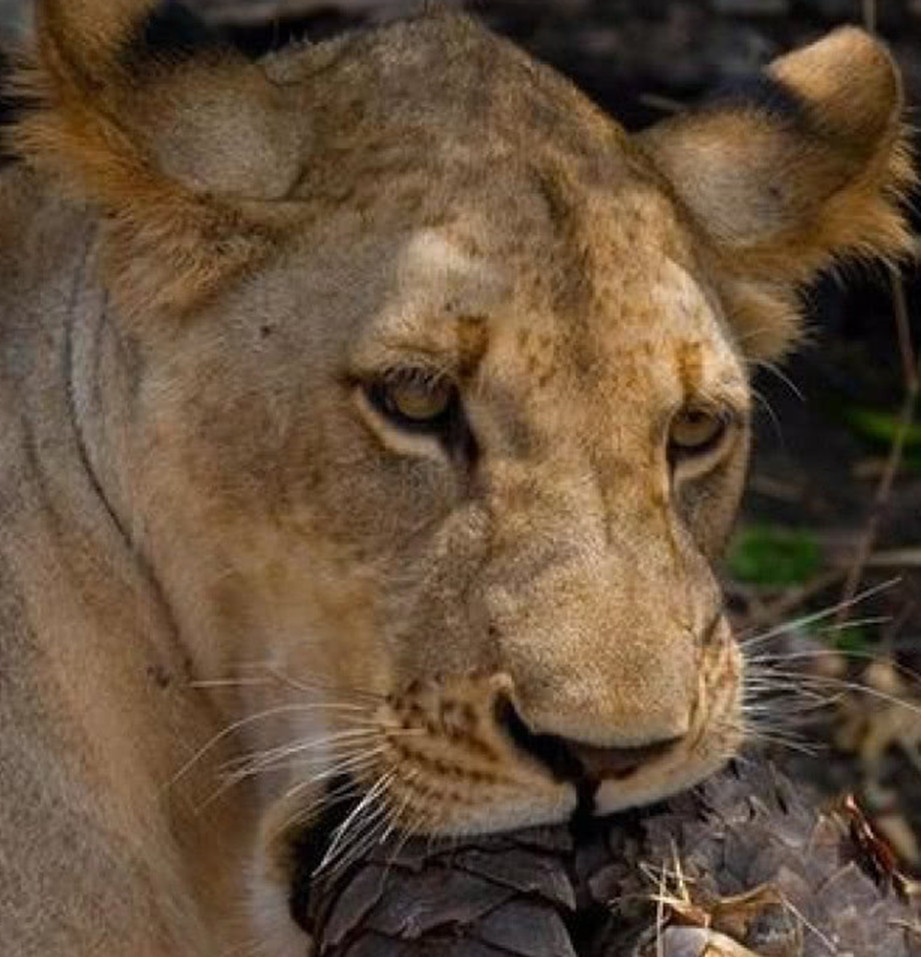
column 175, row 137
column 805, row 167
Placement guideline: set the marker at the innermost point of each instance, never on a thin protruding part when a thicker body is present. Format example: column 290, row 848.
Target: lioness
column 371, row 417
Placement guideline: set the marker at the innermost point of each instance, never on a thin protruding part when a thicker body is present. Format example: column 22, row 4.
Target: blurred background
column 824, row 576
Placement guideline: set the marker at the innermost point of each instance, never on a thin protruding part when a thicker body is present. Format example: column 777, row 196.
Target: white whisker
column 775, row 370
column 300, row 746
column 840, row 684
column 321, row 762
column 910, row 675
column 236, row 726
column 312, row 684
column 747, row 642
column 341, row 831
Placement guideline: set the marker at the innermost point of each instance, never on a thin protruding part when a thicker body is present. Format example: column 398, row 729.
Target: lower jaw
column 658, row 783
column 613, row 796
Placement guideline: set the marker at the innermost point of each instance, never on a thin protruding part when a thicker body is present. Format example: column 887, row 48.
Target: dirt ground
column 837, row 458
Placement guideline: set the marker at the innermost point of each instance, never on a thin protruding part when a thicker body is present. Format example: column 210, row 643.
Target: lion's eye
column 415, row 400
column 695, row 432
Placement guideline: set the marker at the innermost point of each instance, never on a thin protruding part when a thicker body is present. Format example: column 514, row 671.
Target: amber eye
column 696, row 431
column 415, row 399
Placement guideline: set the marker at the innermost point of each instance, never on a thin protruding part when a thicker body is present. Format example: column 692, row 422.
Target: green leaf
column 773, row 555
column 852, row 639
column 879, row 426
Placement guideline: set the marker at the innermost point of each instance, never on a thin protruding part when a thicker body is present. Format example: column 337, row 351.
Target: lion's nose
column 572, row 760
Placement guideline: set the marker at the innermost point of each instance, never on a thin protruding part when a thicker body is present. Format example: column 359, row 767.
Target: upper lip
column 585, row 766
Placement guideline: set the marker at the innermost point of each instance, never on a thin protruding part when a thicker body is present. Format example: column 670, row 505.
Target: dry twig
column 906, row 419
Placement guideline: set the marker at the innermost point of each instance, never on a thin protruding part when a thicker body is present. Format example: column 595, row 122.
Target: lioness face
column 484, row 492
column 439, row 403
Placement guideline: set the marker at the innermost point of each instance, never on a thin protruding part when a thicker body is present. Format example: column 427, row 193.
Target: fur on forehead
column 203, row 162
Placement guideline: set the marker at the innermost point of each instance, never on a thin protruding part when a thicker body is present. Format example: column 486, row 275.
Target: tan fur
column 215, row 545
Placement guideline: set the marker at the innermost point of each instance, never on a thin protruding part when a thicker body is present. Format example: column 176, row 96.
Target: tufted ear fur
column 179, row 142
column 805, row 168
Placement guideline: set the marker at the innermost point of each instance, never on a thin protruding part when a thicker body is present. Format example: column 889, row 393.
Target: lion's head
column 435, row 399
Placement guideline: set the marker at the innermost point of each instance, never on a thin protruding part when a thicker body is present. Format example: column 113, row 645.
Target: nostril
column 572, row 760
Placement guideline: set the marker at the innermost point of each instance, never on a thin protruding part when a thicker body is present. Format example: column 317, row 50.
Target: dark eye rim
column 727, row 420
column 378, row 393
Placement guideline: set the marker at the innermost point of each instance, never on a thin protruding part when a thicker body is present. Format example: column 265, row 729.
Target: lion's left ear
column 806, row 167
column 179, row 141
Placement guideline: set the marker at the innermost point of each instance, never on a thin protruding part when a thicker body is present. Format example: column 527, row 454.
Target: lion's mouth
column 585, row 766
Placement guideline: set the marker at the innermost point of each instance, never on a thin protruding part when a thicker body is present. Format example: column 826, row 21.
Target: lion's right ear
column 804, row 169
column 176, row 138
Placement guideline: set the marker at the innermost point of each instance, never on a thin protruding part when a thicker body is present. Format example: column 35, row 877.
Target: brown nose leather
column 600, row 763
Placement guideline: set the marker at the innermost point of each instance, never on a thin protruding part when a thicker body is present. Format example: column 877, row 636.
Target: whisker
column 818, row 681
column 396, row 817
column 236, row 726
column 313, row 683
column 791, row 744
column 230, row 682
column 352, row 763
column 765, row 726
column 775, row 370
column 363, row 838
column 766, row 693
column 350, row 787
column 775, row 421
column 408, row 830
column 325, row 800
column 790, row 741
column 314, row 749
column 792, row 709
column 766, row 686
column 376, row 822
column 909, row 674
column 315, row 760
column 766, row 679
column 310, row 744
column 747, row 642
column 864, row 622
column 341, row 831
